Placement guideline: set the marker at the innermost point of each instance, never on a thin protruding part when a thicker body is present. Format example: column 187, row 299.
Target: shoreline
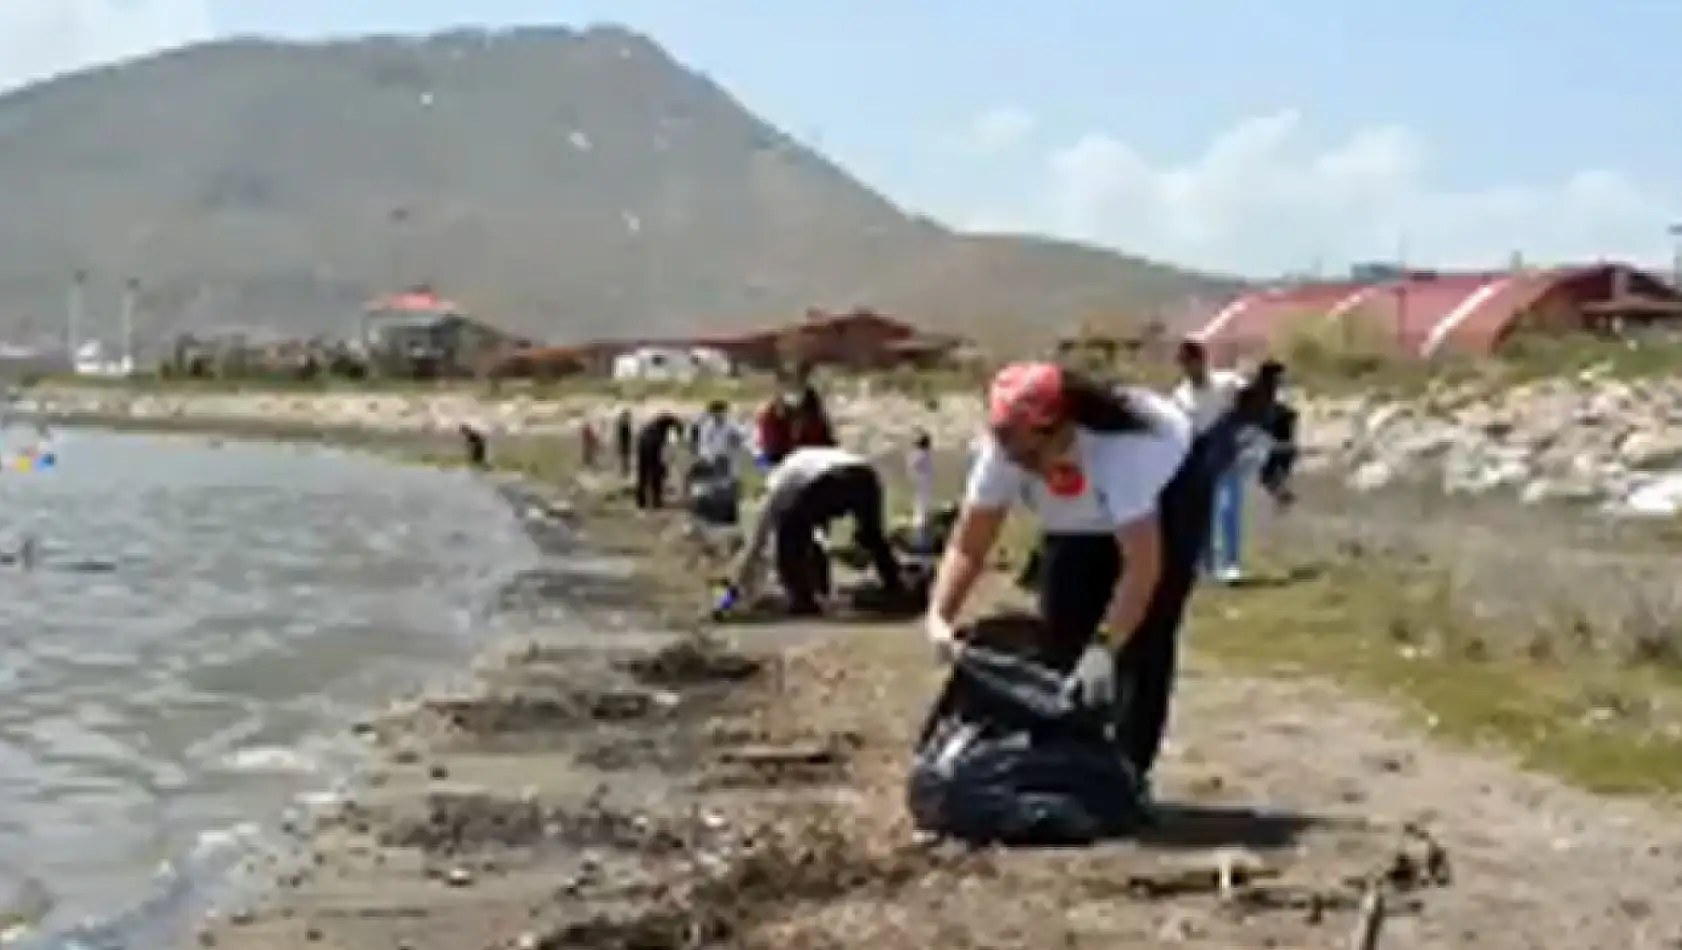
column 197, row 877
column 1587, row 437
column 594, row 785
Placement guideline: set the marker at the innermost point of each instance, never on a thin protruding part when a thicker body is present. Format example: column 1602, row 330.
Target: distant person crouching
column 809, row 489
column 475, row 447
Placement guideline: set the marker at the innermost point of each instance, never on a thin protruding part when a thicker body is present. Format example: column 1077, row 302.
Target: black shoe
column 805, row 610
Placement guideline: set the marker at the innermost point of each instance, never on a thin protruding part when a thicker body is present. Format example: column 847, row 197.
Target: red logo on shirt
column 1065, row 479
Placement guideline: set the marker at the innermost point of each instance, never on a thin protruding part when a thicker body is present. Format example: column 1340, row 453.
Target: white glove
column 942, row 637
column 1093, row 680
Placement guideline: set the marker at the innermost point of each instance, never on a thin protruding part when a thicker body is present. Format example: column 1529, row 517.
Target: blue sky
column 1217, row 132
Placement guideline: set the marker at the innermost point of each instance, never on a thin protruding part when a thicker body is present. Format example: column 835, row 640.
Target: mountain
column 568, row 184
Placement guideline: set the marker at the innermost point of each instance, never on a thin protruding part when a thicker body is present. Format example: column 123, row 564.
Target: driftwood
column 1370, row 925
column 793, row 753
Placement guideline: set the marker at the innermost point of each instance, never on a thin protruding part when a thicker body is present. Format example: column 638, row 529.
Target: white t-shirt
column 801, row 468
column 717, row 439
column 1120, row 474
column 1206, row 404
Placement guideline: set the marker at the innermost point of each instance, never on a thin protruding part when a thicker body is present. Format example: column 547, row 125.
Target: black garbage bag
column 714, row 495
column 934, row 537
column 1006, row 758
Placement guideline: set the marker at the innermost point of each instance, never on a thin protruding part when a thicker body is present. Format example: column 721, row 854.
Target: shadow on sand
column 1192, row 827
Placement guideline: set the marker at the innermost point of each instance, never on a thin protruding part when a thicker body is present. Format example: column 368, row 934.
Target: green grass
column 1387, row 630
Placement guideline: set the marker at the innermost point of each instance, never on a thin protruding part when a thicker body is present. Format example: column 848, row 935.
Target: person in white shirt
column 1208, row 394
column 715, row 443
column 920, row 467
column 810, row 488
column 716, row 440
column 1116, row 478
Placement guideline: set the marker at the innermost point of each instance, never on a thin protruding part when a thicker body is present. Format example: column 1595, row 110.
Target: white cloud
column 42, row 38
column 1258, row 200
column 1000, row 128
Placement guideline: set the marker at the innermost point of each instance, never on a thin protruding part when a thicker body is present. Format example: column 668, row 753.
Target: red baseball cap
column 1025, row 394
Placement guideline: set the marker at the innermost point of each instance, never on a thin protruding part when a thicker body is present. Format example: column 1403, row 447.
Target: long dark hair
column 1100, row 405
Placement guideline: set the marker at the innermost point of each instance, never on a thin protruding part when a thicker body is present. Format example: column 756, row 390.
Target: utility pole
column 75, row 308
column 1401, row 289
column 1675, row 232
column 131, row 295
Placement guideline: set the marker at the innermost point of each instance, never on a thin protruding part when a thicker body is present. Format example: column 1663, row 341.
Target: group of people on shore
column 1138, row 494
column 809, row 482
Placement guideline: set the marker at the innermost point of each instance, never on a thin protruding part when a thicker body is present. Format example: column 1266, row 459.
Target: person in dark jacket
column 622, row 437
column 1277, row 420
column 652, row 469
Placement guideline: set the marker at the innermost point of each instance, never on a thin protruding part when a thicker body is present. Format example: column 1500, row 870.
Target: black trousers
column 854, row 491
column 651, row 480
column 1077, row 579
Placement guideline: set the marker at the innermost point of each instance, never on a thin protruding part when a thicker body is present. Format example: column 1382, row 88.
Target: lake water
column 200, row 625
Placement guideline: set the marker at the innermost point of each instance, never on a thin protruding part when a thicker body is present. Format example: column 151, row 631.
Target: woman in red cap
column 1115, row 476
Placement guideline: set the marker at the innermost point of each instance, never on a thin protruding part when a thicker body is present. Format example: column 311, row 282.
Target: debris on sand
column 692, row 661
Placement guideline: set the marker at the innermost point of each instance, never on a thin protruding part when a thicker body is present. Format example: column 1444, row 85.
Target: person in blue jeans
column 1257, row 435
column 1223, row 557
column 1207, row 395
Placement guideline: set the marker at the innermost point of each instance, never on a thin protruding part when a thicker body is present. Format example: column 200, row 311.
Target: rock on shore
column 1585, row 439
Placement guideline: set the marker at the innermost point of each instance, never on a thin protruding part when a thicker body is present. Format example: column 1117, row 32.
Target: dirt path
column 1312, row 789
column 579, row 797
column 1534, row 863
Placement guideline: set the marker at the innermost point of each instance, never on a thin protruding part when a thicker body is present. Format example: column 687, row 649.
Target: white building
column 95, row 359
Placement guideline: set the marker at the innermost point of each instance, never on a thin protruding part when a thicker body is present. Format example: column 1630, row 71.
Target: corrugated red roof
column 1265, row 316
column 1480, row 318
column 1424, row 314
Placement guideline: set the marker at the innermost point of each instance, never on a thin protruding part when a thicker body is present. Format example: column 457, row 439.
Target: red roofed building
column 419, row 334
column 1428, row 314
column 858, row 339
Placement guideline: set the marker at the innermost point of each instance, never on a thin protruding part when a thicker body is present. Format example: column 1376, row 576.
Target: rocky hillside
column 569, row 184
